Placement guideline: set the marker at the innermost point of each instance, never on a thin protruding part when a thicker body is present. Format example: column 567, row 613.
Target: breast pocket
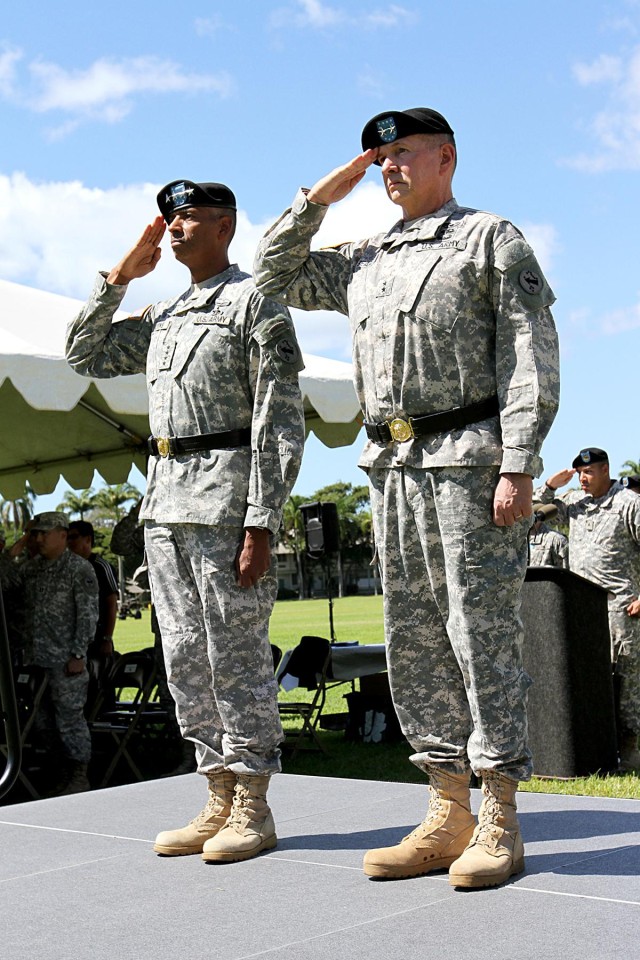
column 425, row 298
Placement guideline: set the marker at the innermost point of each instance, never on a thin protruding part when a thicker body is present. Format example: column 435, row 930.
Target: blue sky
column 99, row 107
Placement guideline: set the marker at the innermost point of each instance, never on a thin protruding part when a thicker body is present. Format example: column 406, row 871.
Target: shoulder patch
column 277, row 340
column 516, row 261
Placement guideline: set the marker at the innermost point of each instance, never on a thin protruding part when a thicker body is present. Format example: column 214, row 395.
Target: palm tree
column 630, row 468
column 16, row 513
column 78, row 502
column 110, row 499
column 291, row 533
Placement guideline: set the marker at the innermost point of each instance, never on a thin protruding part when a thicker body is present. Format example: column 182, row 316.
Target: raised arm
column 98, row 347
column 286, row 269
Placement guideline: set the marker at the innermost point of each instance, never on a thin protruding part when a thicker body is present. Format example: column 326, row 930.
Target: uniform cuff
column 515, row 460
column 306, row 210
column 263, row 517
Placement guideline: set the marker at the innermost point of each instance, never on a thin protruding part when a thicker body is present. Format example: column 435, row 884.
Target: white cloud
column 603, row 69
column 318, row 15
column 392, row 16
column 208, row 26
column 616, row 127
column 583, row 322
column 9, row 57
column 56, row 236
column 105, row 91
column 371, row 83
column 619, row 321
column 544, row 239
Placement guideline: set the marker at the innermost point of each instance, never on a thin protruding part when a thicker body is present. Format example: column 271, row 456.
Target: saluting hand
column 143, row 257
column 341, row 181
column 560, row 479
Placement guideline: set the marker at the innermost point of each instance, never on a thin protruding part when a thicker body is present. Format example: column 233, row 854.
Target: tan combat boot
column 249, row 829
column 496, row 851
column 191, row 839
column 438, row 840
column 629, row 753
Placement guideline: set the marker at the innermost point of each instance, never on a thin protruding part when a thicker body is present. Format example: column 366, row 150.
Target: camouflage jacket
column 446, row 310
column 548, row 548
column 61, row 605
column 219, row 357
column 604, row 537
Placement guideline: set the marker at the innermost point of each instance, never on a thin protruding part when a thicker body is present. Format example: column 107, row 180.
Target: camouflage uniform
column 61, row 606
column 604, row 547
column 445, row 311
column 219, row 357
column 548, row 548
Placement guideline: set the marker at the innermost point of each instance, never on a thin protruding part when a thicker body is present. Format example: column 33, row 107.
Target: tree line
column 104, row 507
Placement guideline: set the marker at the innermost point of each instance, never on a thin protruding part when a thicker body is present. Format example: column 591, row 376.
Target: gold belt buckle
column 164, row 446
column 401, row 430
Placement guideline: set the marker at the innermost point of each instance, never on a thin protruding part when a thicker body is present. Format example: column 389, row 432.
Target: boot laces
column 241, row 805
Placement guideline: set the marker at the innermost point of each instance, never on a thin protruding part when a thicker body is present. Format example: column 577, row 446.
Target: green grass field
column 360, row 618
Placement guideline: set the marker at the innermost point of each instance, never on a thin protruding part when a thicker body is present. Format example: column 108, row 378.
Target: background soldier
column 604, row 547
column 547, row 547
column 456, row 367
column 228, row 428
column 60, row 593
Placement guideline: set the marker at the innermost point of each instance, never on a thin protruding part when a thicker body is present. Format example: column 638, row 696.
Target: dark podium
column 567, row 652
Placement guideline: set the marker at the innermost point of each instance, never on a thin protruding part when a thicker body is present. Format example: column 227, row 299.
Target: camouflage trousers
column 625, row 647
column 215, row 638
column 452, row 583
column 62, row 710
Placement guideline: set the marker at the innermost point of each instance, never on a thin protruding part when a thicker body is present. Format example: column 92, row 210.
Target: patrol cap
column 50, row 520
column 394, row 124
column 588, row 456
column 186, row 193
column 632, row 483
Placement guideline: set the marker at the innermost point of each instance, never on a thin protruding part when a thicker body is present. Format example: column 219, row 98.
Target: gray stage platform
column 79, row 881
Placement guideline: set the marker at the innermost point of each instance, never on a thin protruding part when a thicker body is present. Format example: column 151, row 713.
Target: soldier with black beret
column 225, row 410
column 456, row 369
column 604, row 547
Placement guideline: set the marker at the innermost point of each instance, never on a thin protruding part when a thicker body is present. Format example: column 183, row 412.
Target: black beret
column 588, row 456
column 186, row 193
column 633, row 483
column 394, row 124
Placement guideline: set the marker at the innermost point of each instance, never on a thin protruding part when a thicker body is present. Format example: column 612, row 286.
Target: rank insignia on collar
column 387, row 130
column 530, row 282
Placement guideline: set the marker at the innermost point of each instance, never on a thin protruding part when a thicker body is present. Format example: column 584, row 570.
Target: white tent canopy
column 57, row 423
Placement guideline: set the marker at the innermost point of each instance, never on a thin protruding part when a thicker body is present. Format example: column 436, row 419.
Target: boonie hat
column 186, row 193
column 588, row 456
column 50, row 520
column 393, row 124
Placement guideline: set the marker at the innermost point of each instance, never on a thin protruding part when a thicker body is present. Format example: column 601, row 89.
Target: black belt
column 400, row 430
column 172, row 446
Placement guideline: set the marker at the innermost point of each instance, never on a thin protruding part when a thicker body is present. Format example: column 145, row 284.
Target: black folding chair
column 30, row 683
column 309, row 662
column 124, row 709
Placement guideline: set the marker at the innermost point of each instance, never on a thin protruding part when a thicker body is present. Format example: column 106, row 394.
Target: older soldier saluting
column 225, row 409
column 456, row 368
